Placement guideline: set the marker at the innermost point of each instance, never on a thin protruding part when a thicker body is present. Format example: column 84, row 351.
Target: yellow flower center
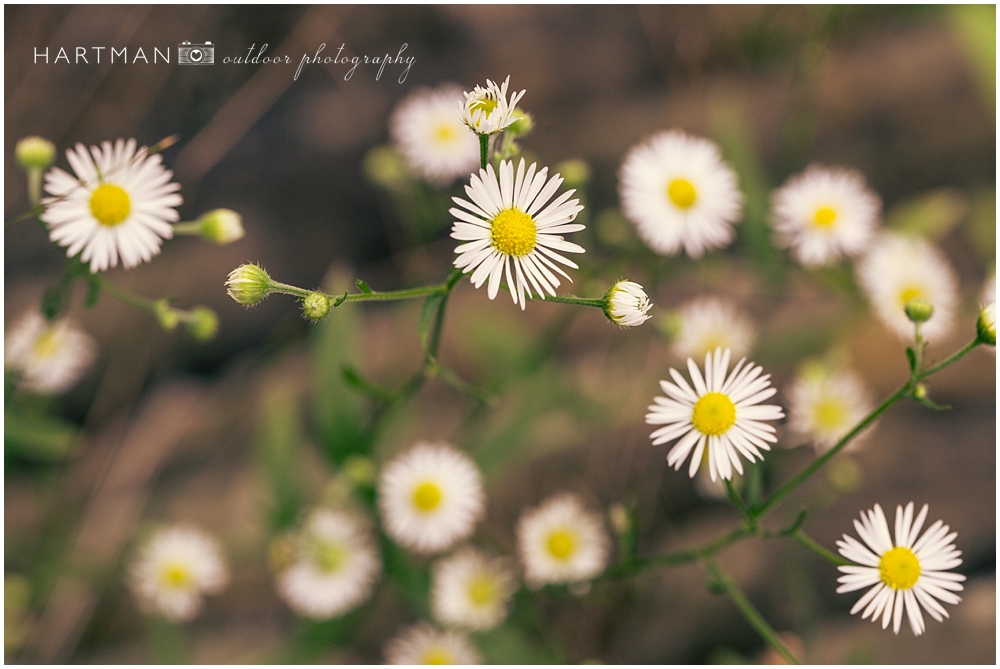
column 513, row 232
column 482, row 590
column 444, row 133
column 713, row 414
column 561, row 544
column 899, row 568
column 329, row 557
column 175, row 576
column 911, row 293
column 829, row 414
column 110, row 205
column 825, row 218
column 436, row 656
column 486, row 105
column 47, row 344
column 682, row 193
column 427, row 496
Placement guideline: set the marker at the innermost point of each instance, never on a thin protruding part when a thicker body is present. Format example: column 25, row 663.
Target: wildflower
column 334, row 569
column 248, row 284
column 825, row 405
column 432, row 139
column 469, row 589
column 627, row 304
column 561, row 542
column 202, row 324
column 823, row 214
column 221, row 226
column 722, row 413
column 680, row 194
column 488, row 110
column 708, row 323
column 119, row 204
column 315, row 306
column 422, row 644
column 910, row 574
column 34, row 153
column 174, row 569
column 431, row 497
column 50, row 357
column 507, row 231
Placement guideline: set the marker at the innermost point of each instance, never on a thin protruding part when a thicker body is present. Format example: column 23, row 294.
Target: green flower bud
column 221, row 226
column 385, row 167
column 203, row 324
column 315, row 306
column 167, row 315
column 523, row 124
column 919, row 310
column 986, row 325
column 575, row 173
column 627, row 305
column 920, row 391
column 35, row 153
column 359, row 470
column 248, row 284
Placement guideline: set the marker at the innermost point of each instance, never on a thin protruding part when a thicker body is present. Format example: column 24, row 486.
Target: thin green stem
column 573, row 299
column 737, row 501
column 484, row 150
column 950, row 360
column 373, row 296
column 127, row 297
column 187, row 228
column 752, row 615
column 35, row 186
column 31, row 213
column 818, row 549
column 634, row 567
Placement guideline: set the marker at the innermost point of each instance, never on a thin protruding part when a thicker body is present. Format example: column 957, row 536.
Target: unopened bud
column 627, row 304
column 359, row 470
column 315, row 306
column 619, row 518
column 575, row 173
column 167, row 315
column 920, row 391
column 35, row 153
column 221, row 226
column 986, row 325
column 203, row 324
column 919, row 310
column 523, row 124
column 248, row 284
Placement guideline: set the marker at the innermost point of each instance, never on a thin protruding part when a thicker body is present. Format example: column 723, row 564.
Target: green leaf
column 428, row 316
column 363, row 287
column 911, row 357
column 37, row 436
column 278, row 449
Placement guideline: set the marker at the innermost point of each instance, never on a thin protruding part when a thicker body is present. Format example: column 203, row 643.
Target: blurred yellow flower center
column 482, row 590
column 824, row 218
column 561, row 544
column 110, row 205
column 444, row 133
column 436, row 656
column 911, row 293
column 427, row 496
column 682, row 193
column 713, row 414
column 329, row 557
column 175, row 575
column 899, row 568
column 829, row 414
column 513, row 232
column 47, row 344
column 712, row 341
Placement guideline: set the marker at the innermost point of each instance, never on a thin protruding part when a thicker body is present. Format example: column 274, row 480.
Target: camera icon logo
column 195, row 54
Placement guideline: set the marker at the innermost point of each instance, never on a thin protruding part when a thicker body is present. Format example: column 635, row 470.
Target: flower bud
column 575, row 173
column 221, row 226
column 167, row 315
column 920, row 391
column 523, row 124
column 248, row 284
column 203, row 324
column 315, row 306
column 919, row 310
column 986, row 325
column 35, row 153
column 619, row 518
column 360, row 470
column 626, row 304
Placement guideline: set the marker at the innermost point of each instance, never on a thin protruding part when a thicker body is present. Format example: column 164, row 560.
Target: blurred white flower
column 825, row 404
column 431, row 497
column 471, row 590
column 119, row 205
column 560, row 541
column 174, row 569
column 507, row 229
column 680, row 194
column 432, row 139
column 422, row 644
column 487, row 110
column 707, row 323
column 722, row 413
column 627, row 304
column 901, row 268
column 335, row 568
column 824, row 213
column 50, row 357
column 910, row 574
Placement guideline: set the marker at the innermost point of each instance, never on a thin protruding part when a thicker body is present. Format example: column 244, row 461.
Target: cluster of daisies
column 430, row 500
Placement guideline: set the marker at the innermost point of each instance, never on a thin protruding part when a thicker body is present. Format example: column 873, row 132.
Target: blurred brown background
column 168, row 425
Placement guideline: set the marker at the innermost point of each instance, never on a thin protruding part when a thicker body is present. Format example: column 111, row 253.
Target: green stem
column 187, row 228
column 484, row 150
column 374, row 296
column 734, row 497
column 950, row 360
column 573, row 299
column 818, row 549
column 31, row 213
column 748, row 610
column 127, row 297
column 35, row 186
column 634, row 567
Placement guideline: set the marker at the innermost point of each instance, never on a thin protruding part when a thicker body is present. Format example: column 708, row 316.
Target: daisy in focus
column 422, row 644
column 487, row 110
column 560, row 541
column 823, row 214
column 174, row 569
column 119, row 204
column 707, row 323
column 901, row 268
column 680, row 194
column 912, row 574
column 335, row 569
column 722, row 413
column 50, row 357
column 627, row 304
column 471, row 590
column 509, row 231
column 824, row 405
column 432, row 139
column 431, row 497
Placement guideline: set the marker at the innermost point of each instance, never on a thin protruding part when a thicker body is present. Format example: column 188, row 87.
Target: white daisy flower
column 335, row 568
column 824, row 213
column 507, row 232
column 722, row 413
column 560, row 541
column 911, row 574
column 487, row 110
column 174, row 569
column 900, row 268
column 431, row 497
column 680, row 194
column 471, row 590
column 432, row 139
column 627, row 304
column 50, row 357
column 708, row 323
column 422, row 644
column 824, row 405
column 119, row 205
